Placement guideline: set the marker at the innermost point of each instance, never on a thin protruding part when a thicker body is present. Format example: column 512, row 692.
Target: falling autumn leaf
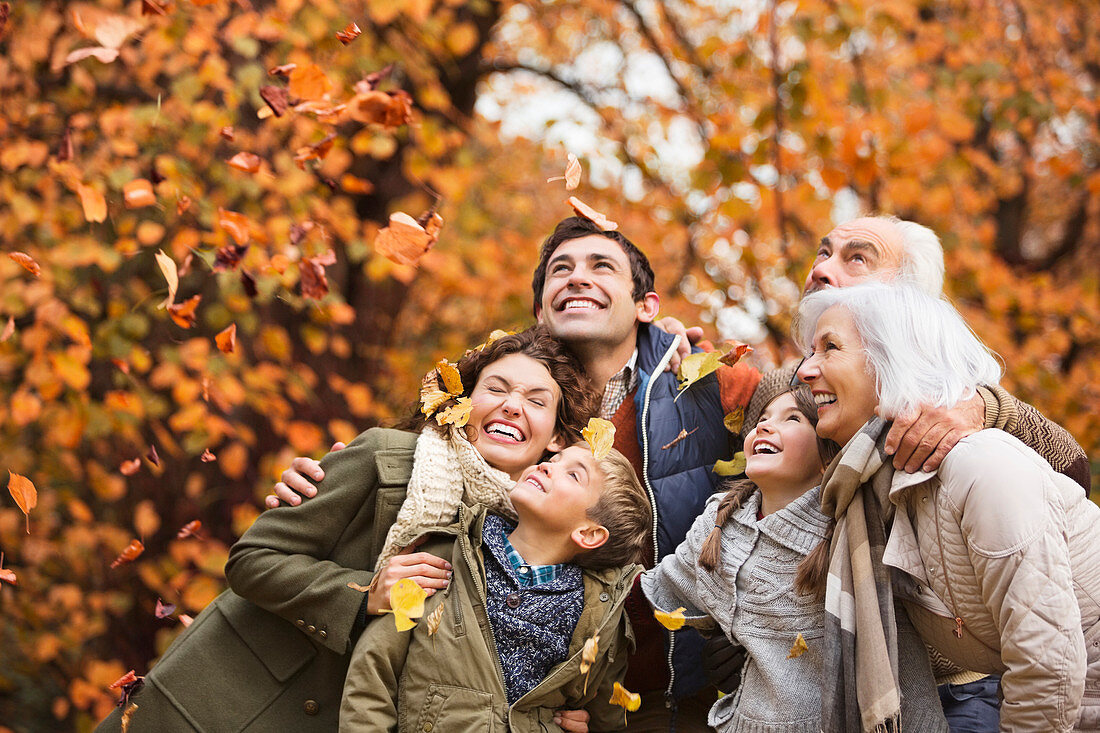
column 316, row 151
column 138, row 193
column 572, row 175
column 680, row 436
column 183, row 203
column 387, row 109
column 236, row 224
column 111, row 31
column 125, row 679
column 152, row 456
column 671, row 620
column 406, row 603
column 151, row 7
column 168, row 267
column 65, row 147
column 350, row 33
column 27, row 262
column 457, row 414
column 227, row 133
column 404, row 240
column 229, row 257
column 735, row 420
column 24, row 493
column 624, row 698
column 312, row 274
column 93, row 203
column 276, row 99
column 9, row 329
column 247, row 162
column 131, row 553
column 191, row 529
column 735, row 353
column 207, row 456
column 7, row 575
column 434, row 619
column 588, row 657
column 798, row 648
column 697, row 366
column 308, row 82
column 227, row 339
column 129, row 468
column 184, row 313
column 585, row 211
column 600, row 436
column 732, row 467
column 164, row 610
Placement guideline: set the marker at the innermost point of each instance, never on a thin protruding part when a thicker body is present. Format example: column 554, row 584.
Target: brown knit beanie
column 772, row 384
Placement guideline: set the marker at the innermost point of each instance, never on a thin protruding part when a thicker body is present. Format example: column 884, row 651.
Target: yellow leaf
column 406, row 603
column 799, row 648
column 624, row 698
column 732, row 467
column 168, row 267
column 431, row 397
column 138, row 193
column 696, row 366
column 600, row 435
column 457, row 414
column 735, row 420
column 93, row 203
column 434, row 619
column 671, row 620
column 589, row 652
column 24, row 493
column 452, row 380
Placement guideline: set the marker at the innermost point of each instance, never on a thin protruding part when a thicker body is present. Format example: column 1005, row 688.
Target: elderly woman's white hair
column 919, row 349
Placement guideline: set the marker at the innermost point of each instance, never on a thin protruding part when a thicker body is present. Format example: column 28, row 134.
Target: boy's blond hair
column 623, row 509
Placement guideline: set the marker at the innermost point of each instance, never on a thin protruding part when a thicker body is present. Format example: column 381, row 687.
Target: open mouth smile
column 574, row 303
column 504, row 431
column 764, row 447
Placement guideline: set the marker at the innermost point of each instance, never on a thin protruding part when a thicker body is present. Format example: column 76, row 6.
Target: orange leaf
column 183, row 204
column 282, row 70
column 350, row 33
column 9, row 329
column 191, row 529
column 247, row 162
column 585, row 211
column 388, row 109
column 276, row 99
column 572, row 175
column 404, row 240
column 7, row 576
column 131, row 553
column 129, row 468
column 236, row 224
column 207, row 456
column 308, row 82
column 27, row 262
column 227, row 340
column 95, row 206
column 184, row 313
column 735, row 354
column 125, row 679
column 24, row 493
column 138, row 193
column 312, row 274
column 316, row 151
column 151, row 7
column 354, row 184
column 227, row 132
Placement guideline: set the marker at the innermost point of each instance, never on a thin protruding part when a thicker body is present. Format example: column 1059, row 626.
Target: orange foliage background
column 726, row 163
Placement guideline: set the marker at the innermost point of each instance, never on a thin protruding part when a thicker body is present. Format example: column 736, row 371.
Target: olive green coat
column 271, row 653
column 452, row 681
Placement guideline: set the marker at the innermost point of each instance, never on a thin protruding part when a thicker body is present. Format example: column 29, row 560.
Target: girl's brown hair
column 578, row 400
column 740, row 489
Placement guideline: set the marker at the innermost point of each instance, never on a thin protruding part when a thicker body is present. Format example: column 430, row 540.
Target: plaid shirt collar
column 619, row 386
column 530, row 575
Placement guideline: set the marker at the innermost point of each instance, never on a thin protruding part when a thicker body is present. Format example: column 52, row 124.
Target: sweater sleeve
column 673, row 582
column 1033, row 429
column 282, row 562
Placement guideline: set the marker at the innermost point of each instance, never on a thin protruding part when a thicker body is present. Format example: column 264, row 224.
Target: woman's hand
column 425, row 569
column 296, row 481
column 574, row 721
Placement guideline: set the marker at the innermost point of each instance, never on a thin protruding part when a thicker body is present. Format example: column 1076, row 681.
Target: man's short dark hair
column 576, row 227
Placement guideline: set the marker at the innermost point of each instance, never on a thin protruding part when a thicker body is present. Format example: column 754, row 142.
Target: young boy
column 521, row 604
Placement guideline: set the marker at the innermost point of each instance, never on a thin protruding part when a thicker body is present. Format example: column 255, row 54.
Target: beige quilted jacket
column 998, row 539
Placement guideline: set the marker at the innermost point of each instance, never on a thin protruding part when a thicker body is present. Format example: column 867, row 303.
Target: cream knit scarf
column 447, row 470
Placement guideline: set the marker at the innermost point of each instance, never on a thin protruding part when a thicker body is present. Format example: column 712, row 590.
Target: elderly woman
column 998, row 553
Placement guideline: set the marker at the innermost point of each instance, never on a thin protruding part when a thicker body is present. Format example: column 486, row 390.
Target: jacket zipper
column 488, row 628
column 653, row 497
column 943, row 563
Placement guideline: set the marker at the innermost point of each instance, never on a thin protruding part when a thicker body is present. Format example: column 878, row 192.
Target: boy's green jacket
column 451, row 680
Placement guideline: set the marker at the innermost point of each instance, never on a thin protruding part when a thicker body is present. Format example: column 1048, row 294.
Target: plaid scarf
column 860, row 677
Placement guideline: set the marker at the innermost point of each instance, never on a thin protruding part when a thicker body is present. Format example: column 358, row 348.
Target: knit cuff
column 1000, row 408
column 361, row 617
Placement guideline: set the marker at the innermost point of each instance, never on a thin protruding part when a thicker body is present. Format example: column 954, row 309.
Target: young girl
column 738, row 569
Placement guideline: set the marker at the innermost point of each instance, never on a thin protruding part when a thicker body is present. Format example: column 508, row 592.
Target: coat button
column 323, row 634
column 301, row 623
column 311, row 707
column 604, row 597
column 512, row 601
column 311, row 628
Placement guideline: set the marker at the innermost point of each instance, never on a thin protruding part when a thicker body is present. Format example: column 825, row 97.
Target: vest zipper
column 943, row 563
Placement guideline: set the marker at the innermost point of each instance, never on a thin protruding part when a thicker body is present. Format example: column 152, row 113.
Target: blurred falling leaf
column 624, row 698
column 93, row 203
column 164, row 610
column 798, row 648
column 276, row 99
column 312, row 274
column 308, row 82
column 588, row 657
column 404, row 240
column 227, row 133
column 152, row 456
column 457, row 414
column 736, row 351
column 131, row 553
column 207, row 456
column 151, row 7
column 732, row 467
column 191, row 529
column 696, row 366
column 111, row 31
column 138, row 193
column 247, row 162
column 228, row 257
column 24, row 493
column 168, row 267
column 316, row 151
column 7, row 575
column 600, row 436
column 9, row 329
column 350, row 33
column 227, row 339
column 184, row 313
column 27, row 262
column 236, row 224
column 572, row 175
column 735, row 420
column 388, row 109
column 183, row 204
column 671, row 620
column 585, row 211
column 406, row 603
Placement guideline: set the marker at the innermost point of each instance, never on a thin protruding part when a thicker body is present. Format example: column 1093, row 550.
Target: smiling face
column 588, row 294
column 781, row 450
column 558, row 493
column 839, row 377
column 514, row 412
column 853, row 252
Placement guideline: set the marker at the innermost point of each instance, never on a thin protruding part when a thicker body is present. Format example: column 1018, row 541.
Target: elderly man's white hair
column 919, row 349
column 922, row 257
